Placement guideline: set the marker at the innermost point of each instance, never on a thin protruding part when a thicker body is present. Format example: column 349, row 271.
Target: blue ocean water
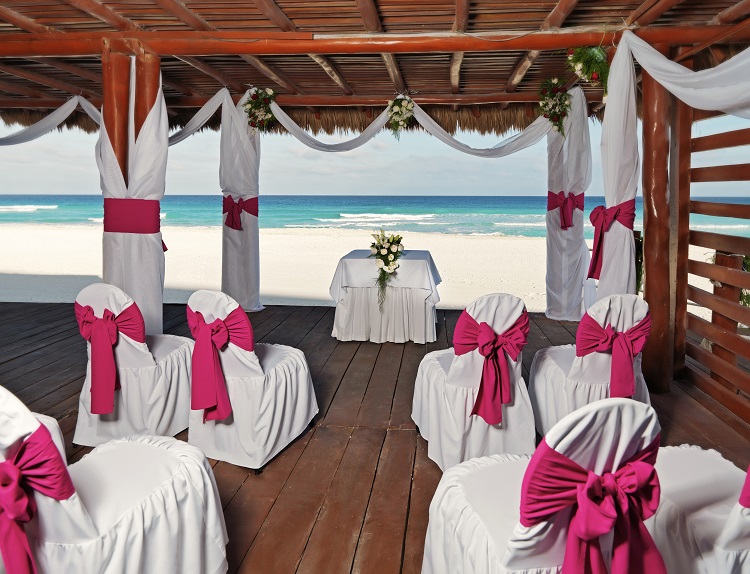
column 498, row 215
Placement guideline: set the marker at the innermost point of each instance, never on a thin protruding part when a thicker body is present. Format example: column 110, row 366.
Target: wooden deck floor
column 352, row 493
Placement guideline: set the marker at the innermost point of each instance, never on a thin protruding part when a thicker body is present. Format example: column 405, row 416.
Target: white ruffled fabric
column 270, row 390
column 560, row 382
column 700, row 527
column 474, row 515
column 142, row 504
column 154, row 395
column 446, row 389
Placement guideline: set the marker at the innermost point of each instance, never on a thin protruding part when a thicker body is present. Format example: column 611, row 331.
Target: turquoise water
column 498, row 215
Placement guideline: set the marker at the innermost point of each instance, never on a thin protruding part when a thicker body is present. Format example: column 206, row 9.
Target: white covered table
column 409, row 309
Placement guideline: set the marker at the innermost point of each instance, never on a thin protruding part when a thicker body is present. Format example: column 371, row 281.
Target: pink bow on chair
column 495, row 386
column 619, row 501
column 602, row 219
column 566, row 203
column 234, row 210
column 36, row 466
column 209, row 388
column 592, row 337
column 102, row 334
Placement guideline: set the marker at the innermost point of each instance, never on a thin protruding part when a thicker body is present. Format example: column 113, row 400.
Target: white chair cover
column 474, row 515
column 154, row 395
column 446, row 389
column 560, row 382
column 700, row 527
column 270, row 390
column 142, row 504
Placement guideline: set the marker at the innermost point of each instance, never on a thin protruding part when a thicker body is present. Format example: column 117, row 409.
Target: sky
column 417, row 164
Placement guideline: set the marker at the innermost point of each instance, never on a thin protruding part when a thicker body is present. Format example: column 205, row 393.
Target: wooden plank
column 714, row 333
column 404, row 394
column 293, row 329
column 554, row 330
column 296, row 509
column 381, row 542
column 375, row 409
column 716, row 410
column 721, row 140
column 732, row 401
column 348, row 398
column 427, row 475
column 725, row 307
column 737, row 377
column 719, row 273
column 335, row 534
column 739, row 210
column 326, row 381
column 737, row 172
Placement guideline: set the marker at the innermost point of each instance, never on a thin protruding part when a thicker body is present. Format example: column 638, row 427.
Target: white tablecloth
column 409, row 308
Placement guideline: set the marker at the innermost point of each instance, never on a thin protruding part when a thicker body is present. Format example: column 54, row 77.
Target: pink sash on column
column 132, row 216
column 618, row 501
column 566, row 203
column 592, row 337
column 602, row 219
column 102, row 334
column 208, row 386
column 745, row 494
column 495, row 385
column 36, row 466
column 234, row 210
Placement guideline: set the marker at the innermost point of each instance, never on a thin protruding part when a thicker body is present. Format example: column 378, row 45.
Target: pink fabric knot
column 495, row 385
column 36, row 466
column 234, row 210
column 745, row 494
column 593, row 338
column 102, row 334
column 566, row 204
column 602, row 219
column 208, row 385
column 616, row 501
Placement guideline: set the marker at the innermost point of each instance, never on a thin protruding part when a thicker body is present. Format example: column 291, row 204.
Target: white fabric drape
column 134, row 262
column 50, row 122
column 568, row 170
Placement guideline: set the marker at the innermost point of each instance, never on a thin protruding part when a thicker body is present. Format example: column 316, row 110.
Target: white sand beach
column 51, row 263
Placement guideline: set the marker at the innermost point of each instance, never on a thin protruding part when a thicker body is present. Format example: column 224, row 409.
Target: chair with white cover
column 471, row 400
column 576, row 505
column 700, row 526
column 249, row 400
column 135, row 384
column 605, row 361
column 134, row 505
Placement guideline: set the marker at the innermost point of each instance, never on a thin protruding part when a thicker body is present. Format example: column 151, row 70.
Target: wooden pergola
column 479, row 60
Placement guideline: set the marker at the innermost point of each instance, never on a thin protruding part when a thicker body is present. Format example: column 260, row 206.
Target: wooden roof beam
column 732, row 14
column 45, row 81
column 70, row 68
column 23, row 22
column 104, row 13
column 732, row 30
column 24, row 91
column 460, row 23
column 372, row 22
column 650, row 11
column 216, row 74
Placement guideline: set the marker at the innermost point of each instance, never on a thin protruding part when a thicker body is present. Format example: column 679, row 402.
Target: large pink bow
column 36, row 466
column 745, row 494
column 566, row 203
column 495, row 386
column 592, row 337
column 618, row 501
column 602, row 219
column 102, row 334
column 209, row 388
column 234, row 210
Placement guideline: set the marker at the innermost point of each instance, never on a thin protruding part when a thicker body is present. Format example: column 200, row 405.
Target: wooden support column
column 679, row 204
column 116, row 86
column 146, row 87
column 657, row 355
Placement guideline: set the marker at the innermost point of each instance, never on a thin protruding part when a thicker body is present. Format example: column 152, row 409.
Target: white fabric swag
column 50, row 122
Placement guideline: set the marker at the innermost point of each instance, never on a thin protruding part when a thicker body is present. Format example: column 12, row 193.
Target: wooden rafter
column 651, row 13
column 22, row 91
column 22, row 22
column 370, row 17
column 460, row 23
column 46, row 81
column 70, row 68
column 730, row 31
column 733, row 13
column 104, row 13
column 195, row 21
column 221, row 77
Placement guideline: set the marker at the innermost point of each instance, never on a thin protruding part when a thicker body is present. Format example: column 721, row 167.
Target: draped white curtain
column 50, row 122
column 569, row 171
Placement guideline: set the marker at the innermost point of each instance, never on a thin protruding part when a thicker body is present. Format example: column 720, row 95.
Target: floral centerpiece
column 590, row 64
column 555, row 102
column 386, row 249
column 400, row 113
column 258, row 108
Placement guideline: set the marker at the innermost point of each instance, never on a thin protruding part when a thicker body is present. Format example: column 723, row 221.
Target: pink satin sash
column 745, row 494
column 566, row 203
column 102, row 334
column 618, row 501
column 208, row 386
column 495, row 385
column 36, row 466
column 132, row 216
column 602, row 219
column 234, row 209
column 591, row 337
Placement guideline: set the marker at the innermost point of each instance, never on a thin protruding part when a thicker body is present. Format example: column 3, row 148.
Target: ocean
column 488, row 215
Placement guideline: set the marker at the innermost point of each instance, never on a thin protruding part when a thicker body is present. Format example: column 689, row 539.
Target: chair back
column 620, row 311
column 598, row 437
column 235, row 361
column 101, row 297
column 735, row 536
column 500, row 311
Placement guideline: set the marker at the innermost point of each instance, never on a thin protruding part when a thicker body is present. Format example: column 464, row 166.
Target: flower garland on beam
column 258, row 108
column 400, row 113
column 590, row 64
column 555, row 103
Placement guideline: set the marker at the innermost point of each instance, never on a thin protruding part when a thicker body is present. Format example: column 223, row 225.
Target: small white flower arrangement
column 400, row 113
column 555, row 103
column 258, row 108
column 590, row 64
column 386, row 249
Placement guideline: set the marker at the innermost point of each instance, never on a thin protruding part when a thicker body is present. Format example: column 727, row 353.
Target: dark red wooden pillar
column 116, row 85
column 657, row 355
column 147, row 86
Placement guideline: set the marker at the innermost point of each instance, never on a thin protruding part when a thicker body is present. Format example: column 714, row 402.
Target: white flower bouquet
column 400, row 113
column 386, row 249
column 258, row 108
